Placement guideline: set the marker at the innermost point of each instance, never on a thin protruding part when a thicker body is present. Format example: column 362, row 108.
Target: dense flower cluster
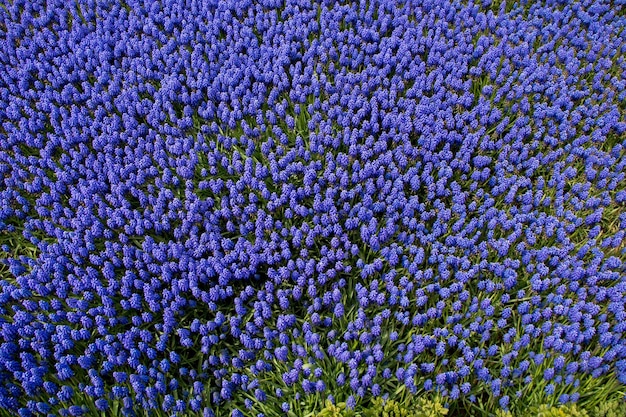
column 430, row 193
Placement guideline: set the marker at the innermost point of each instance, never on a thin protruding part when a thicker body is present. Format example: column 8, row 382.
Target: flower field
column 306, row 208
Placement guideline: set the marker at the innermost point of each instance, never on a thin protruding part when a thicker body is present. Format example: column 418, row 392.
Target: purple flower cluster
column 433, row 192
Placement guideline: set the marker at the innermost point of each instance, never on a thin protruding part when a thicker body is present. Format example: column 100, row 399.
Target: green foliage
column 427, row 408
column 422, row 407
column 570, row 410
column 615, row 408
column 332, row 410
column 389, row 408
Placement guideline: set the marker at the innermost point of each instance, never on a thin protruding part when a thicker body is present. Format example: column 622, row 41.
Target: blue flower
column 351, row 402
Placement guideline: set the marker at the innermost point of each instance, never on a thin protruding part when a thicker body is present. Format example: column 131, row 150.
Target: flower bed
column 251, row 208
